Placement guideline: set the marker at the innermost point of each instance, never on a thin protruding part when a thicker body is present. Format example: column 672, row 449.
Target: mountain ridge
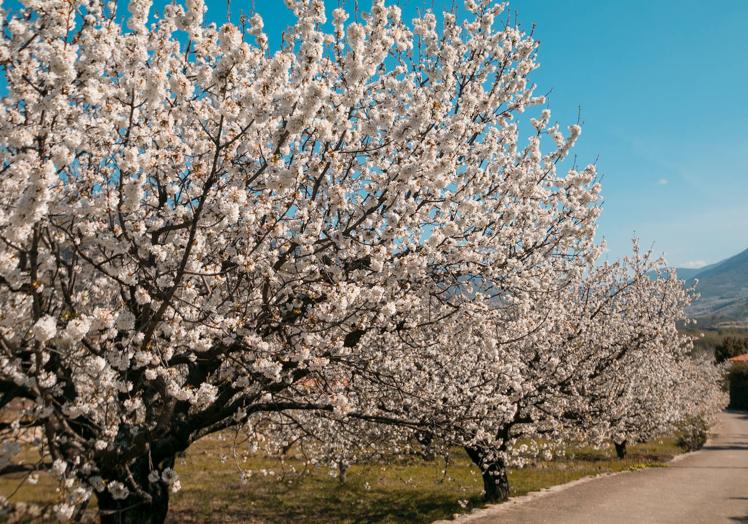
column 722, row 289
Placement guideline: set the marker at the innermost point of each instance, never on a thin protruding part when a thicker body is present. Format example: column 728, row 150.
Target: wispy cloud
column 693, row 264
column 663, row 181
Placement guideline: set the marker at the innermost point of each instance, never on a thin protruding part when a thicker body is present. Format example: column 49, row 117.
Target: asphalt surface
column 709, row 486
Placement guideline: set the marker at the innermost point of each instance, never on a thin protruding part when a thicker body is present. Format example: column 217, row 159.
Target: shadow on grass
column 414, row 492
column 313, row 500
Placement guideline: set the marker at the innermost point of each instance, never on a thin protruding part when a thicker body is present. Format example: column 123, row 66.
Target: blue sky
column 662, row 86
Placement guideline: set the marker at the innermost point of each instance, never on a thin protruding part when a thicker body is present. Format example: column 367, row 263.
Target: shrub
column 692, row 433
column 730, row 347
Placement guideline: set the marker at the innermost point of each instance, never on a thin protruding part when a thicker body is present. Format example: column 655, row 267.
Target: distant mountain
column 687, row 273
column 723, row 290
column 726, row 279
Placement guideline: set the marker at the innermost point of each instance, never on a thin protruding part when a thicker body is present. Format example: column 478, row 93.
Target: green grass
column 406, row 491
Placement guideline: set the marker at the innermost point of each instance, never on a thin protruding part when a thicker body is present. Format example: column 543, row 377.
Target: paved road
column 710, row 486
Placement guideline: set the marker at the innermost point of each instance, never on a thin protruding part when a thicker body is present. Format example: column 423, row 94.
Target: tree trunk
column 493, row 471
column 135, row 509
column 620, row 449
column 342, row 472
column 150, row 506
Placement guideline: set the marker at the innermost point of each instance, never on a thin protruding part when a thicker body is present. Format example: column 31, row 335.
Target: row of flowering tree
column 348, row 238
column 600, row 361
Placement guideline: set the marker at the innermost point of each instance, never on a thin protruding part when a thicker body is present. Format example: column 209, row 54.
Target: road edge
column 496, row 509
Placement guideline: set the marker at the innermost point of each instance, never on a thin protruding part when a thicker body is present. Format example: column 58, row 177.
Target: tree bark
column 135, row 509
column 342, row 472
column 620, row 449
column 493, row 472
column 150, row 506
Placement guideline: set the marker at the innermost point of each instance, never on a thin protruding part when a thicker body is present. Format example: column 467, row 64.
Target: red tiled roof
column 740, row 358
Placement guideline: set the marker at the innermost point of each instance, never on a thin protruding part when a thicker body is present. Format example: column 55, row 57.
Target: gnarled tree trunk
column 493, row 471
column 149, row 506
column 342, row 472
column 620, row 449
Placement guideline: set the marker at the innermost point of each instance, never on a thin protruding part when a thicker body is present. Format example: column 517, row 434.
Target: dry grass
column 413, row 491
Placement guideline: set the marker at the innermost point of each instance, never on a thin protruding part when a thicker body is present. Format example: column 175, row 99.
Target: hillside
column 723, row 290
column 688, row 273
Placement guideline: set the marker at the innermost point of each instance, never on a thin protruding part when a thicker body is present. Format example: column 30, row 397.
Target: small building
column 739, row 382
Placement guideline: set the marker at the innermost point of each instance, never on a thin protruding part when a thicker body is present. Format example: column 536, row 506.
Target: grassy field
column 411, row 491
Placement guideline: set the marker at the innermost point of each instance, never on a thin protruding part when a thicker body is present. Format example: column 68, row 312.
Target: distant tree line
column 731, row 346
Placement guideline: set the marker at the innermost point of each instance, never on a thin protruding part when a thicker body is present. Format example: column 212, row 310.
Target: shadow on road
column 741, row 413
column 725, row 447
column 677, row 466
